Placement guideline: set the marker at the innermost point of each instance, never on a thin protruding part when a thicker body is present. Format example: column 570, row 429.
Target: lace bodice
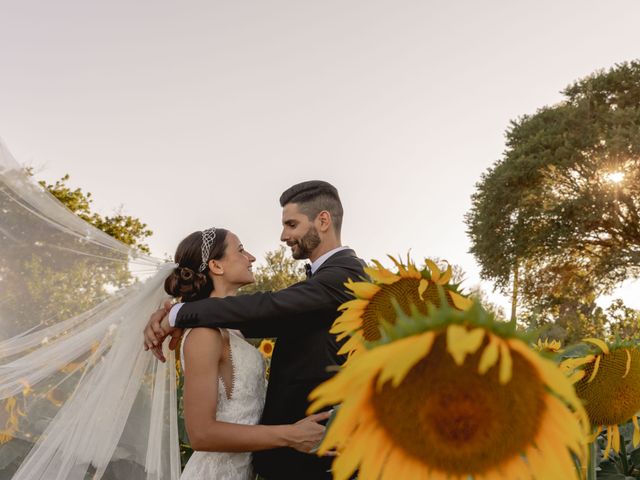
column 245, row 406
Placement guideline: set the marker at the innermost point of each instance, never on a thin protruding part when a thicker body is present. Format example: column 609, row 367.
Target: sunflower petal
column 446, row 276
column 356, row 304
column 354, row 343
column 412, row 271
column 628, row 367
column 576, row 376
column 489, row 356
column 401, row 269
column 381, row 275
column 606, row 450
column 363, row 290
column 435, row 271
column 461, row 341
column 636, row 431
column 348, row 321
column 460, row 302
column 552, row 376
column 376, row 456
column 596, row 366
column 424, row 284
column 341, row 428
column 598, row 343
column 573, row 363
column 615, row 443
column 413, row 349
column 592, row 437
column 346, row 463
column 395, row 462
column 506, row 364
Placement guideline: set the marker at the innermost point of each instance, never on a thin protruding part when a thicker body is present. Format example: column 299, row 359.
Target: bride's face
column 236, row 264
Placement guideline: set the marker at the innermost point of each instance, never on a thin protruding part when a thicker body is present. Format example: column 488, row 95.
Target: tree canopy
column 59, row 273
column 125, row 228
column 557, row 216
column 278, row 272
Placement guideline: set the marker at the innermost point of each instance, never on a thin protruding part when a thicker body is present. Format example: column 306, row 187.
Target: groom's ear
column 325, row 221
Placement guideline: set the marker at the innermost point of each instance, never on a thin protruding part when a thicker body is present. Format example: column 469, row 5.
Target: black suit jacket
column 300, row 317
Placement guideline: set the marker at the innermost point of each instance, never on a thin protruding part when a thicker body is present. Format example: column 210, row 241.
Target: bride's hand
column 307, row 433
column 158, row 329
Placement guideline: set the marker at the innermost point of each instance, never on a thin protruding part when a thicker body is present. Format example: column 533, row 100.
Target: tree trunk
column 514, row 295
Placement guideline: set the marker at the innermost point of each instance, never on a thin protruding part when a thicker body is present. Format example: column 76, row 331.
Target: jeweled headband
column 208, row 240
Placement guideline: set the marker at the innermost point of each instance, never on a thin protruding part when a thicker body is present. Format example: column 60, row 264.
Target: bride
column 224, row 376
column 79, row 398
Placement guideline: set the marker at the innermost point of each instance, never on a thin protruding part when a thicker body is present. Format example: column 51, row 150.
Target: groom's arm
column 267, row 314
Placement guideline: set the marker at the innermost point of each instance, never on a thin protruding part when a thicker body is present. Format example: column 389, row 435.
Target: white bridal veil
column 79, row 398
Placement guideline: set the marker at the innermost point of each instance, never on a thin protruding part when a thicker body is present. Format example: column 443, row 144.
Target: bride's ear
column 215, row 267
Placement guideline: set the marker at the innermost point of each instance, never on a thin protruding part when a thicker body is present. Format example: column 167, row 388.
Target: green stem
column 623, row 455
column 593, row 461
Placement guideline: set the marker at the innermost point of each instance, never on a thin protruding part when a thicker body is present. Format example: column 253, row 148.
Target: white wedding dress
column 245, row 406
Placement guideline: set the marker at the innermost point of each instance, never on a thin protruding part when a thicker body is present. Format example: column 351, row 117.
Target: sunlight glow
column 614, row 177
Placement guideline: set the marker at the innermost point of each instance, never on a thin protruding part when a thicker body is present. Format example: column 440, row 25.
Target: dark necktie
column 307, row 270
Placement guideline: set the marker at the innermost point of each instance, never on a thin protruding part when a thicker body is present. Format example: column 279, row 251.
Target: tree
column 57, row 268
column 125, row 228
column 557, row 217
column 54, row 269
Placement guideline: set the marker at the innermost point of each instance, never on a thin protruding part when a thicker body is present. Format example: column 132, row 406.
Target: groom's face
column 298, row 232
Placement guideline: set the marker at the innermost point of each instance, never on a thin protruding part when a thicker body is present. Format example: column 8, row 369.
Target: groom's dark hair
column 313, row 197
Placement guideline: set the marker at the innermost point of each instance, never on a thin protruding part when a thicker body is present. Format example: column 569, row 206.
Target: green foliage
column 185, row 447
column 278, row 272
column 623, row 465
column 53, row 269
column 125, row 228
column 561, row 207
column 480, row 296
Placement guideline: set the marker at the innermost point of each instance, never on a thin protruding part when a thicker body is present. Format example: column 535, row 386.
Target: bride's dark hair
column 186, row 281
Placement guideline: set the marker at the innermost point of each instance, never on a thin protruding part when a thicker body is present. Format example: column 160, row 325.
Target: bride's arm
column 203, row 349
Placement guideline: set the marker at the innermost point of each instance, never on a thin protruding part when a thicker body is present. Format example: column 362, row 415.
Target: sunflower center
column 432, row 295
column 455, row 420
column 610, row 399
column 404, row 291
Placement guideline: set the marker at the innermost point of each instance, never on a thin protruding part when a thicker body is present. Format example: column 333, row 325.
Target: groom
column 299, row 316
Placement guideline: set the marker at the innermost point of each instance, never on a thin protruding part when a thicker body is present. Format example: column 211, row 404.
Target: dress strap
column 184, row 337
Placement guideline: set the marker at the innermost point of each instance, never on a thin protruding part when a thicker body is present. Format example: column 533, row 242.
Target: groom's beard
column 307, row 244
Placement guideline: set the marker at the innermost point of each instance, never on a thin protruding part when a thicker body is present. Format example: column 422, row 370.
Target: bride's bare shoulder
column 198, row 340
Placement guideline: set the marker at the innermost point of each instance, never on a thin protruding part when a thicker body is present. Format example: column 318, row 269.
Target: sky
column 200, row 113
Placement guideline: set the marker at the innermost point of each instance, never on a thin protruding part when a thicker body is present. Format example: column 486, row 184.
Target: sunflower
column 546, row 345
column 13, row 413
column 607, row 380
column 374, row 303
column 454, row 395
column 266, row 347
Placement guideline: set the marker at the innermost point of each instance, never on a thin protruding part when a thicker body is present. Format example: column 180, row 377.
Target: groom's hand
column 158, row 329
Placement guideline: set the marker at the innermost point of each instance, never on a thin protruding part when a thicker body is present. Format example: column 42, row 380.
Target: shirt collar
column 323, row 258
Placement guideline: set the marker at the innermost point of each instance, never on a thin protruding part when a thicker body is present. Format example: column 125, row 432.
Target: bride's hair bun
column 183, row 282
